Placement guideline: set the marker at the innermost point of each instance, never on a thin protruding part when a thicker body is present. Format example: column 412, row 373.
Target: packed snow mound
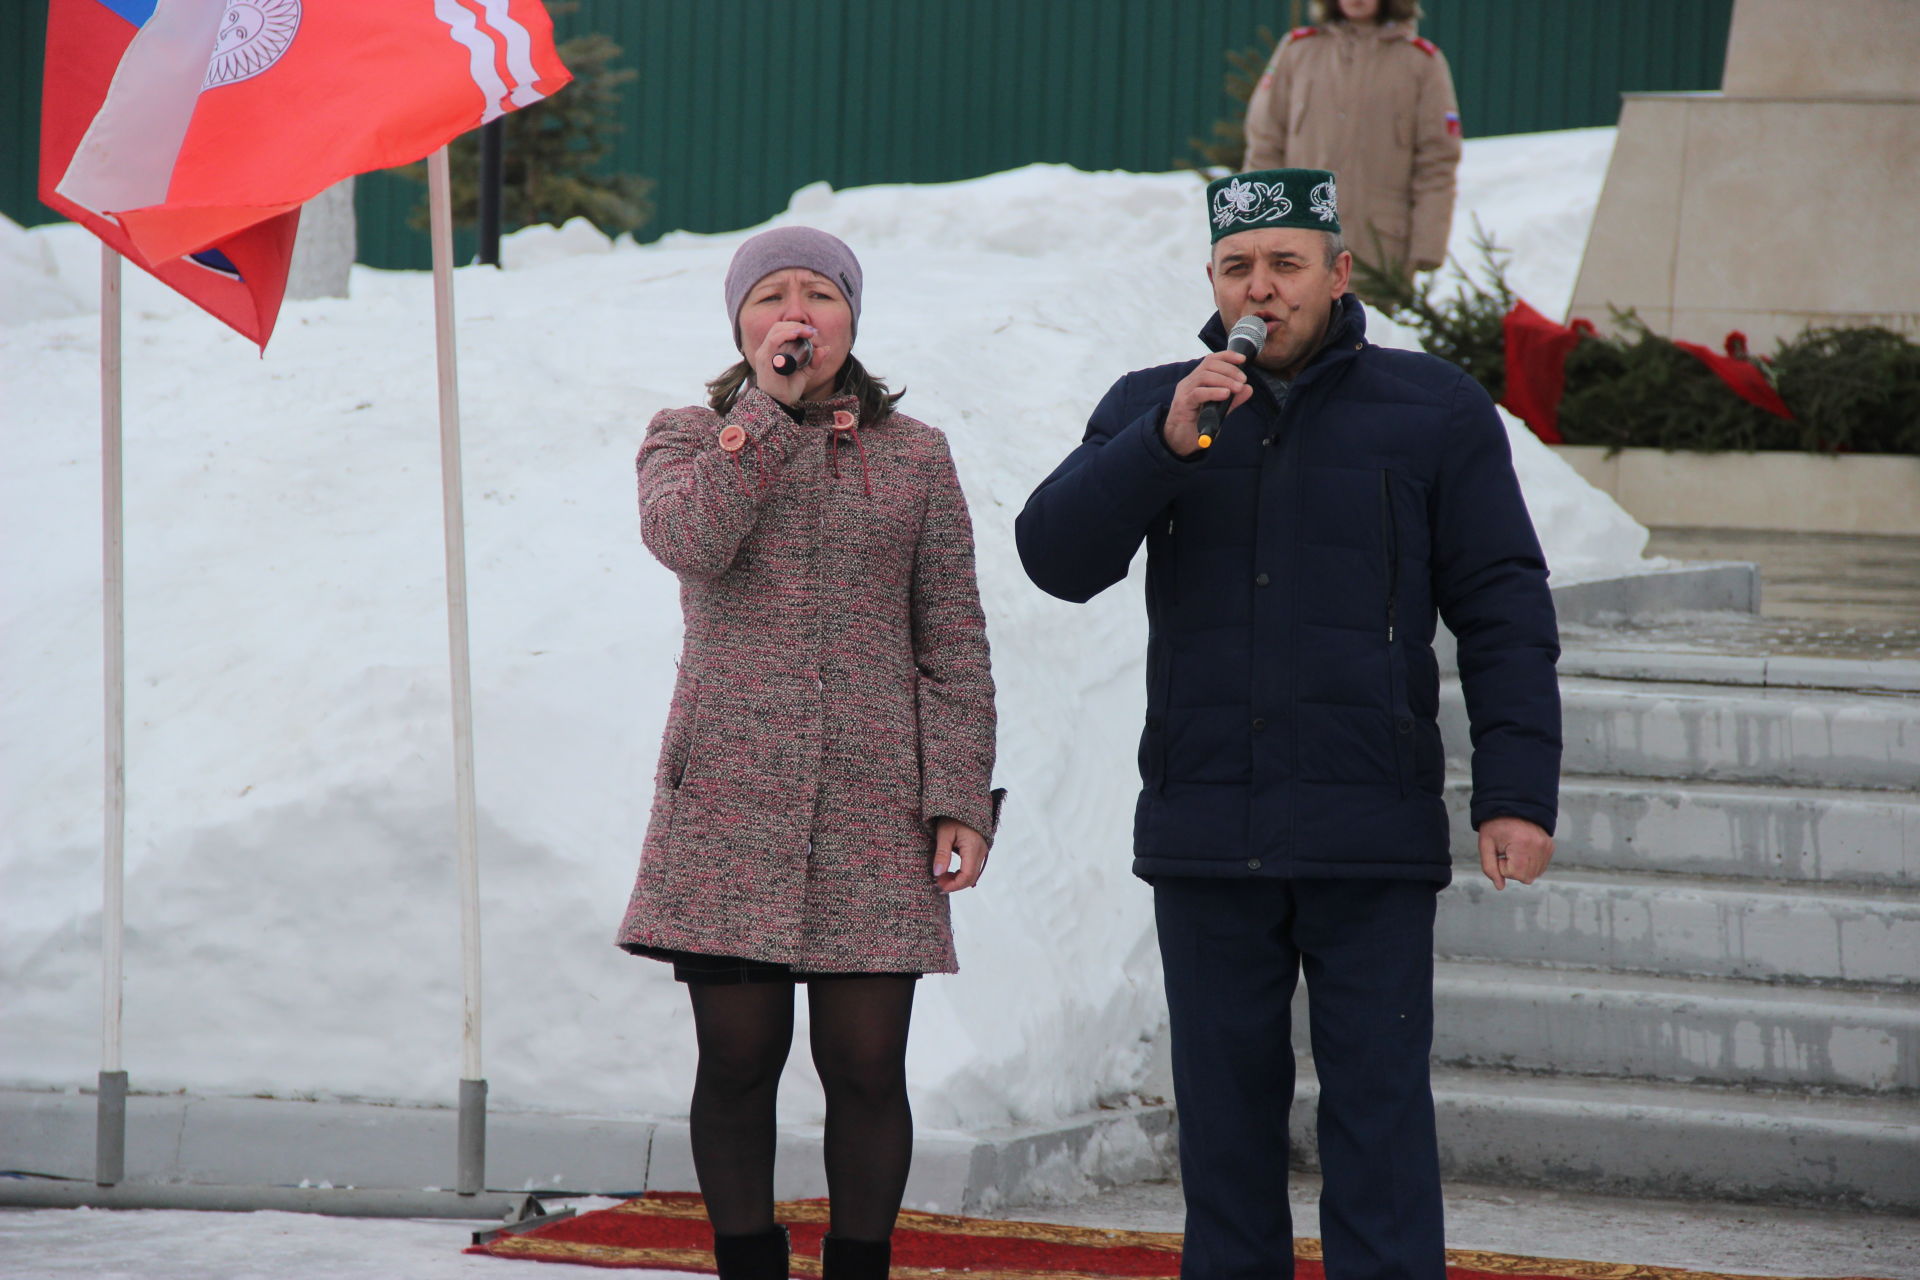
column 292, row 921
column 538, row 245
column 31, row 287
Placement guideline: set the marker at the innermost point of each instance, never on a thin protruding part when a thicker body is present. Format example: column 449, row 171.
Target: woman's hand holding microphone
column 790, row 387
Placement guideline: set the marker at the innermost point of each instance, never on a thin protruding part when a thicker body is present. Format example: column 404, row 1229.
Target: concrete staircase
column 1716, row 990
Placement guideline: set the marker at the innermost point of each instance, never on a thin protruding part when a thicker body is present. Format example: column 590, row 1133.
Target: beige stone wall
column 1823, row 48
column 1799, row 492
column 1792, row 201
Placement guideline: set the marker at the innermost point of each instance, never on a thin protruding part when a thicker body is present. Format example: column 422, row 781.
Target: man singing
column 1290, row 815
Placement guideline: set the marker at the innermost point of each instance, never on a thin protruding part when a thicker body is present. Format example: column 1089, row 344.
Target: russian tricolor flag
column 187, row 133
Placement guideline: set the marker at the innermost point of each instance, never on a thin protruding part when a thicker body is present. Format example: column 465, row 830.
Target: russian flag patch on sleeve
column 1453, row 124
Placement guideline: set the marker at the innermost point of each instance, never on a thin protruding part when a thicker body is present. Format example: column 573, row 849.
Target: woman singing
column 828, row 752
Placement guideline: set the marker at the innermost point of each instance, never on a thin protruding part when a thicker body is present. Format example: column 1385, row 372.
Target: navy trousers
column 1232, row 951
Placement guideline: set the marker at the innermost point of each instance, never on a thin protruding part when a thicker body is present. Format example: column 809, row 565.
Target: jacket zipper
column 1166, row 668
column 1389, row 533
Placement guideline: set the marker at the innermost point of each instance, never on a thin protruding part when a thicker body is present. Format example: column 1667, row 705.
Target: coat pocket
column 1153, row 755
column 687, row 742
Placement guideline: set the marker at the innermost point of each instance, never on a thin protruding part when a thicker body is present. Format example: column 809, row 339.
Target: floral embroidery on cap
column 1325, row 202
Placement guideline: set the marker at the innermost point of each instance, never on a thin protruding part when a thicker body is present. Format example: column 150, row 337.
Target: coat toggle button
column 1261, row 579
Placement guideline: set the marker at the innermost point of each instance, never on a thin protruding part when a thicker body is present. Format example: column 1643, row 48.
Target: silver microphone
column 1247, row 336
column 792, row 357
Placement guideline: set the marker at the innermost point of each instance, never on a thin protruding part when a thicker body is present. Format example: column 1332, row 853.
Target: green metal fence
column 740, row 102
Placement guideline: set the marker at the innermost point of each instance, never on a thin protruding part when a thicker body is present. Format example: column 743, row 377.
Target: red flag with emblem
column 187, row 134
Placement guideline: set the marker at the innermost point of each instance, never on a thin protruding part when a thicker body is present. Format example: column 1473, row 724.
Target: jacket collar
column 1382, row 31
column 1346, row 333
column 821, row 413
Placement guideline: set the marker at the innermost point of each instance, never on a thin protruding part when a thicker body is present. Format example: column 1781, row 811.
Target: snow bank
column 292, row 926
column 31, row 287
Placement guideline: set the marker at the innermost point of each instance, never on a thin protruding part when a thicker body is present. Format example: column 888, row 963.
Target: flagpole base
column 471, row 1177
column 110, row 1130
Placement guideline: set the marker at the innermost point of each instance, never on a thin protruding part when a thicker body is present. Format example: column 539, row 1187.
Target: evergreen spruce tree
column 1850, row 390
column 1853, row 390
column 1228, row 144
column 1466, row 327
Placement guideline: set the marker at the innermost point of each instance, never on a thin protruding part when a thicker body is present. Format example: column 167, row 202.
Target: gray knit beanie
column 784, row 247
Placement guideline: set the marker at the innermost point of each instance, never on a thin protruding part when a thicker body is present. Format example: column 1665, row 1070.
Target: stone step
column 1760, row 670
column 1651, row 1139
column 1727, row 829
column 1790, row 737
column 1583, row 1022
column 1675, row 926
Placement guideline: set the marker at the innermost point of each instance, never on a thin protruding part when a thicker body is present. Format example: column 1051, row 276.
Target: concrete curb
column 271, row 1144
column 339, row 1202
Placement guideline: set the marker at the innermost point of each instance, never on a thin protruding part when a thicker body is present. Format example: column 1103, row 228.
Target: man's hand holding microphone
column 1216, row 387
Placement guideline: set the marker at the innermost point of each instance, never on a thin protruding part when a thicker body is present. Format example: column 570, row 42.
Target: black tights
column 859, row 1044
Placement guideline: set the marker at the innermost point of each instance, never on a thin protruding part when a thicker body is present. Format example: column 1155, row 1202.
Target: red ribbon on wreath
column 1742, row 376
column 1537, row 351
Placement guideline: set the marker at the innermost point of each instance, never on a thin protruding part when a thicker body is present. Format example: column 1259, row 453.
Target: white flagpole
column 471, row 1159
column 110, row 1130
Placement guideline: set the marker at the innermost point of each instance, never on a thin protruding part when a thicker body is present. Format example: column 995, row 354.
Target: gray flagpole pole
column 110, row 1126
column 472, row 1150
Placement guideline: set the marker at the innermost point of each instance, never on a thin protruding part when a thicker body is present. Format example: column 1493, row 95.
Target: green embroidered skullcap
column 1273, row 198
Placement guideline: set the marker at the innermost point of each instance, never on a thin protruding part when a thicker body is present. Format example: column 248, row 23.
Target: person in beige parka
column 1363, row 95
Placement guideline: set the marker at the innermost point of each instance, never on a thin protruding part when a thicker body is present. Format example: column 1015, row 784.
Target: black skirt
column 696, row 966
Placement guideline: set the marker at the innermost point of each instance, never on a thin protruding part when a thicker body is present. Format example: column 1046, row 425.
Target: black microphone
column 1247, row 337
column 792, row 357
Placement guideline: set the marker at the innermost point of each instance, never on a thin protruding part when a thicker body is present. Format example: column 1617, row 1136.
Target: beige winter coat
column 1373, row 103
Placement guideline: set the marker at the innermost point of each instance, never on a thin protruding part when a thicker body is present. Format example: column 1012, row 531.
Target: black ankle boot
column 842, row 1259
column 760, row 1256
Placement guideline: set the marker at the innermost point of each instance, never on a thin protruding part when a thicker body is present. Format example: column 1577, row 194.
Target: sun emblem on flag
column 253, row 36
column 1324, row 202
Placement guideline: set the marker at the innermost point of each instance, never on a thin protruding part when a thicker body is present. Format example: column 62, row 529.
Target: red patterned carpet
column 667, row 1231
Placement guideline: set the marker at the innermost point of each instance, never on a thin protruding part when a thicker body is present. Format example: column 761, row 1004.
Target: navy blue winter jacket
column 1293, row 573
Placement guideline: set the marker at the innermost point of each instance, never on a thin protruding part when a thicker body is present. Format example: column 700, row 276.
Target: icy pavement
column 50, row 1244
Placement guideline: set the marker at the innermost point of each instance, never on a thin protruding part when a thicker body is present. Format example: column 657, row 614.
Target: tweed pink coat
column 834, row 697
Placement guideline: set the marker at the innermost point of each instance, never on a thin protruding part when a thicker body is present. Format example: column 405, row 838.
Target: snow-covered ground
column 292, row 926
